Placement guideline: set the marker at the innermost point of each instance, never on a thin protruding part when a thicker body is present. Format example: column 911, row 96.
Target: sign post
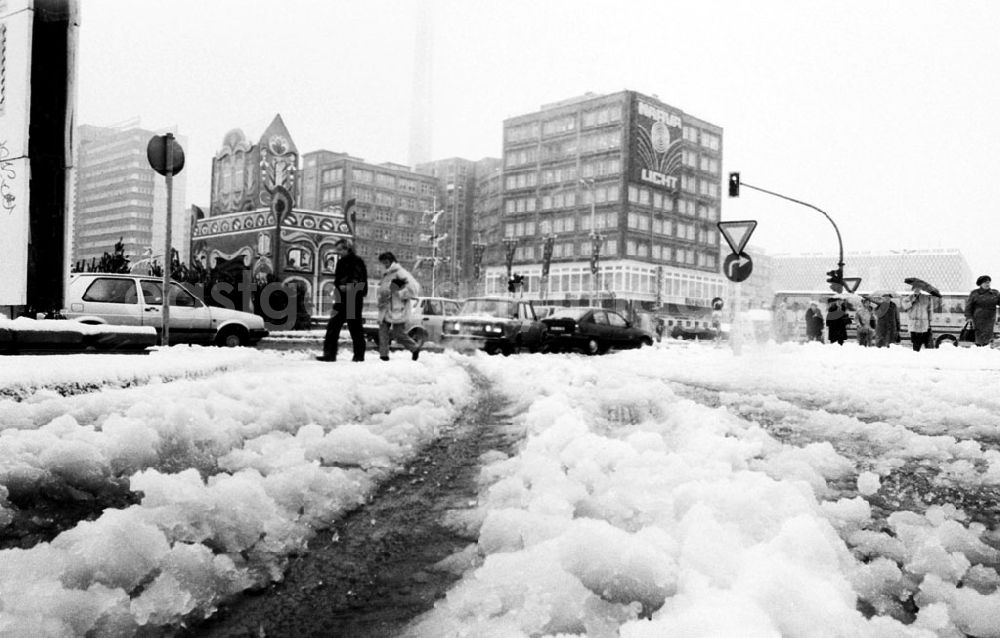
column 166, row 157
column 737, row 267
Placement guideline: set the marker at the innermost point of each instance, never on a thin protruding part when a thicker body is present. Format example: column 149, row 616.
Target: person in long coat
column 814, row 322
column 886, row 322
column 350, row 279
column 396, row 290
column 981, row 309
column 837, row 321
column 864, row 318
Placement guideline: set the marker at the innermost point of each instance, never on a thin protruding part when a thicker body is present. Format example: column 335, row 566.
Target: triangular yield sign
column 851, row 283
column 737, row 229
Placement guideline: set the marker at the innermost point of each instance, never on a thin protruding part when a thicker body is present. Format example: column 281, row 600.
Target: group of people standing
column 877, row 319
column 396, row 289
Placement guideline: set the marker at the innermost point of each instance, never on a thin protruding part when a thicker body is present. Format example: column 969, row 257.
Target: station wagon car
column 494, row 324
column 134, row 300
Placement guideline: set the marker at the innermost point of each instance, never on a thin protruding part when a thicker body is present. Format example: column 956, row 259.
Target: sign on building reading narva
column 656, row 146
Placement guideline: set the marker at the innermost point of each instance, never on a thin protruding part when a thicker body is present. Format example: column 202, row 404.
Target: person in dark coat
column 837, row 320
column 981, row 309
column 814, row 322
column 350, row 280
column 886, row 322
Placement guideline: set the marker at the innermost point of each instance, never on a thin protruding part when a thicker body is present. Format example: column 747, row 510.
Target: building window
column 332, row 175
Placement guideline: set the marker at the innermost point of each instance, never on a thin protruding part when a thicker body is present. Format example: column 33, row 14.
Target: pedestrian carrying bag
column 967, row 333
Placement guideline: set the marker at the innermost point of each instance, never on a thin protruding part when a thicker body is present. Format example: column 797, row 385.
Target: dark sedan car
column 592, row 331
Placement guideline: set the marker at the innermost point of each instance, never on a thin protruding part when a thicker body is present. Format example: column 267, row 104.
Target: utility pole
column 594, row 241
column 431, row 217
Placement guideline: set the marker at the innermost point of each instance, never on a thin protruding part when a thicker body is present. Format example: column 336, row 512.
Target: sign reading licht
column 15, row 93
column 656, row 143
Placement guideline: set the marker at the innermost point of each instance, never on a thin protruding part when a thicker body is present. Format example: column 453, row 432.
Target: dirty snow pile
column 685, row 490
column 235, row 471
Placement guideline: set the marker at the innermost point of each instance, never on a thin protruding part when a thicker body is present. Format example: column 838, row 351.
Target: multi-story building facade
column 119, row 196
column 487, row 232
column 621, row 184
column 392, row 204
column 455, row 199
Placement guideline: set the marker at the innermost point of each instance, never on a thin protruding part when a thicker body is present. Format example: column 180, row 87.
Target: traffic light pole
column 840, row 243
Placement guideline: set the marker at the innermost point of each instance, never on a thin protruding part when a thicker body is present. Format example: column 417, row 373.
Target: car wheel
column 231, row 337
column 419, row 337
column 492, row 349
column 645, row 342
column 592, row 347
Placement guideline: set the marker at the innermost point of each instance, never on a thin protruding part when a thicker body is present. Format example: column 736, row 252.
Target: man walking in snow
column 350, row 280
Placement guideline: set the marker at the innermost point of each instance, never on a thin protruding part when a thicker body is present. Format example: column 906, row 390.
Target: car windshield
column 488, row 308
column 568, row 313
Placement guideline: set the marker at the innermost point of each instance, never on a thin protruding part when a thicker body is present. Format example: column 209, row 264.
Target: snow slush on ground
column 682, row 490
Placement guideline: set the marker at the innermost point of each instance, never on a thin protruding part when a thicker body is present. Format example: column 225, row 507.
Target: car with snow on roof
column 494, row 324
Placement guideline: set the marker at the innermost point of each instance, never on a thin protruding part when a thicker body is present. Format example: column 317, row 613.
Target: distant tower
column 420, row 114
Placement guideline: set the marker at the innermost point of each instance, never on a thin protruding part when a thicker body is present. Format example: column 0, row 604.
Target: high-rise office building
column 119, row 196
column 623, row 186
column 391, row 204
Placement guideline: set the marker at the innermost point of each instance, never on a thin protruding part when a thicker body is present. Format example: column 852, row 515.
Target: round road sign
column 156, row 153
column 737, row 267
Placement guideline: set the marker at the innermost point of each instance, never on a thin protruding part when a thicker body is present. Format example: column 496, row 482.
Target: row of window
column 695, row 135
column 399, row 235
column 382, row 180
column 609, row 247
column 658, row 201
column 622, row 279
column 84, row 218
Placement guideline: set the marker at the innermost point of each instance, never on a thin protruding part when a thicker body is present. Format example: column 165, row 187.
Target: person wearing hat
column 981, row 310
column 814, row 322
column 886, row 322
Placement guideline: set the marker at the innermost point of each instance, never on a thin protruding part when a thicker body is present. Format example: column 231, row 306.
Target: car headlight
column 493, row 329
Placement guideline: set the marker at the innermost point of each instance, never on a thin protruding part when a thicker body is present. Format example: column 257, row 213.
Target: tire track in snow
column 381, row 565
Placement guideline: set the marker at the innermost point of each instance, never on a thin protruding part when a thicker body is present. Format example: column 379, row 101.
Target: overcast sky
column 886, row 115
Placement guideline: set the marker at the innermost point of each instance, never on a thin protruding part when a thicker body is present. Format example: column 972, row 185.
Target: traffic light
column 835, row 278
column 734, row 184
column 515, row 282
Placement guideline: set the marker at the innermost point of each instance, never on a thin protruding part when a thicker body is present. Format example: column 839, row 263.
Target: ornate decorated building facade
column 254, row 221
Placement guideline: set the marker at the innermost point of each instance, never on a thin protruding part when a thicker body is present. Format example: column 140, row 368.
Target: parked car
column 592, row 331
column 426, row 317
column 135, row 300
column 494, row 324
